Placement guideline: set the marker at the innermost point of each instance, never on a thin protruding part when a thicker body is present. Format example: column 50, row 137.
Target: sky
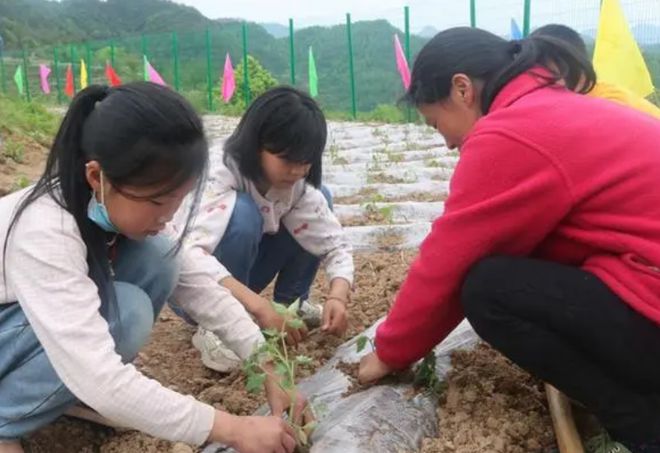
column 494, row 15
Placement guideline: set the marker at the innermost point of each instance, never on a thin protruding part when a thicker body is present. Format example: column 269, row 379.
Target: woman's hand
column 372, row 369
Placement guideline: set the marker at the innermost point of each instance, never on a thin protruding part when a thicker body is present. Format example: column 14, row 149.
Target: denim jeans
column 31, row 393
column 254, row 258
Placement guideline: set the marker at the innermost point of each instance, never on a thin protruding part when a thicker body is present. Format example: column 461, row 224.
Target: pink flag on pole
column 401, row 62
column 228, row 81
column 44, row 72
column 152, row 74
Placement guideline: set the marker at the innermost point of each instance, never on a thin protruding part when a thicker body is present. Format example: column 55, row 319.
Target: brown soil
column 490, row 405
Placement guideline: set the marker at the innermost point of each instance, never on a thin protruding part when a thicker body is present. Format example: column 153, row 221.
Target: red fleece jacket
column 550, row 174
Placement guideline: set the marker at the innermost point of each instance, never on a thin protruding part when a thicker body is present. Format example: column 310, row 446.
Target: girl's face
column 455, row 116
column 135, row 216
column 281, row 173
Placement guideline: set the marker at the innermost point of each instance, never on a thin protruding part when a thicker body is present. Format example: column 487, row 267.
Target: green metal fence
column 360, row 79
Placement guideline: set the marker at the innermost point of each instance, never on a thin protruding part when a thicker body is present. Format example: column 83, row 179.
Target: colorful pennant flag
column 83, row 75
column 515, row 30
column 44, row 72
column 313, row 76
column 401, row 62
column 228, row 80
column 617, row 58
column 111, row 75
column 18, row 79
column 150, row 74
column 69, row 88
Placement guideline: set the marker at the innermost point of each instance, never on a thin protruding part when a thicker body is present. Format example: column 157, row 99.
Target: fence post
column 3, row 75
column 526, row 17
column 175, row 55
column 144, row 46
column 56, row 70
column 112, row 53
column 350, row 65
column 292, row 53
column 26, row 82
column 473, row 13
column 209, row 69
column 88, row 51
column 406, row 16
column 72, row 50
column 246, row 76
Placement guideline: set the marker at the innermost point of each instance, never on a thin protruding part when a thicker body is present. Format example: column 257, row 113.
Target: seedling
column 426, row 377
column 274, row 352
column 380, row 214
column 362, row 342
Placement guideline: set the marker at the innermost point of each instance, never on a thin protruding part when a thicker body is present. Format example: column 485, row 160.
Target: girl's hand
column 372, row 369
column 335, row 316
column 268, row 318
column 281, row 400
column 253, row 434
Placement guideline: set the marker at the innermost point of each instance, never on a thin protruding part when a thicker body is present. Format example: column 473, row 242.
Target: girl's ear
column 93, row 175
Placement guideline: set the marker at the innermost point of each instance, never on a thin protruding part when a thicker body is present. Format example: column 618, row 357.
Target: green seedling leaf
column 295, row 323
column 303, row 360
column 281, row 369
column 362, row 343
column 255, row 382
column 271, row 333
column 280, row 309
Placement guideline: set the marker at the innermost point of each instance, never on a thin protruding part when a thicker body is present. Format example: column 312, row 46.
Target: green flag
column 18, row 78
column 313, row 77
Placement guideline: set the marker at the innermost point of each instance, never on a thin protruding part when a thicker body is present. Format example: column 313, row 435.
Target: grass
column 26, row 119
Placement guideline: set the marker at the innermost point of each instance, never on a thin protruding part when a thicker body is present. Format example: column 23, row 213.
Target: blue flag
column 515, row 30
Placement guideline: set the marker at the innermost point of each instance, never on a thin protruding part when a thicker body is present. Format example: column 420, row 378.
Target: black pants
column 565, row 326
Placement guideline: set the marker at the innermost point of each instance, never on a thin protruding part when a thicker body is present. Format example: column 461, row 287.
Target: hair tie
column 515, row 47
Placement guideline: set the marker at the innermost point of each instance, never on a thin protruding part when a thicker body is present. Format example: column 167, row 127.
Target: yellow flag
column 617, row 58
column 83, row 75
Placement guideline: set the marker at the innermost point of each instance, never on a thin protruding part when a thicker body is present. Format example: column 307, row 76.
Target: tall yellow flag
column 617, row 58
column 83, row 74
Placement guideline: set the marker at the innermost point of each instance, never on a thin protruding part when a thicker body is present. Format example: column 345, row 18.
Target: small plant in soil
column 426, row 376
column 21, row 183
column 379, row 214
column 362, row 342
column 14, row 151
column 275, row 351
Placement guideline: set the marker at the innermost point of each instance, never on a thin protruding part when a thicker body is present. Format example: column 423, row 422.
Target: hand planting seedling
column 272, row 360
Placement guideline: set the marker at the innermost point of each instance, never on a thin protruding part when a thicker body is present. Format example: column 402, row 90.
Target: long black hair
column 287, row 123
column 486, row 57
column 142, row 135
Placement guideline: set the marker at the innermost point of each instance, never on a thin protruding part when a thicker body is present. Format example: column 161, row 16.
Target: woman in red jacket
column 550, row 239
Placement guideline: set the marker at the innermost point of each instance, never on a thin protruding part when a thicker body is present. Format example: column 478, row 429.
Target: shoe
column 310, row 313
column 603, row 443
column 215, row 355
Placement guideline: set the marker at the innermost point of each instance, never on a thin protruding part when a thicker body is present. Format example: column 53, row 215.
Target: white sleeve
column 47, row 270
column 212, row 305
column 317, row 230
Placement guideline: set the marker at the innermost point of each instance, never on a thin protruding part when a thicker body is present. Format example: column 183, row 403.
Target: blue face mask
column 98, row 213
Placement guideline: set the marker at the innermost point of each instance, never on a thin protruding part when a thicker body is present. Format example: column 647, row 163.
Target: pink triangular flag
column 401, row 62
column 44, row 72
column 228, row 81
column 153, row 74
